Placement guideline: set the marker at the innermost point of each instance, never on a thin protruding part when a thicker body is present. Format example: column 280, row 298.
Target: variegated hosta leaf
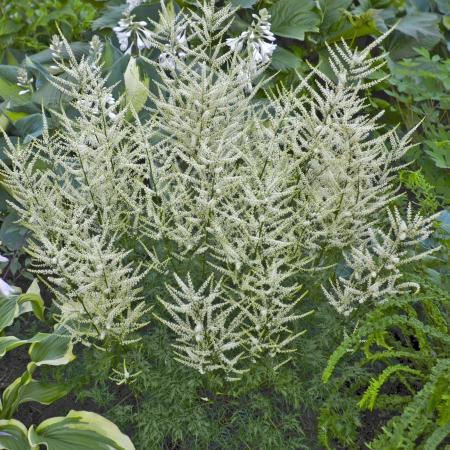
column 79, row 430
column 13, row 436
column 52, row 350
column 46, row 349
column 15, row 304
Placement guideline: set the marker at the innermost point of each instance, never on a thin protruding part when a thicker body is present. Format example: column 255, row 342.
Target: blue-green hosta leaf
column 420, row 24
column 440, row 153
column 115, row 77
column 293, row 18
column 283, row 59
column 53, row 350
column 79, row 430
column 332, row 12
column 243, row 3
column 14, row 436
column 444, row 218
column 30, row 127
column 109, row 18
column 12, row 234
column 443, row 6
column 45, row 56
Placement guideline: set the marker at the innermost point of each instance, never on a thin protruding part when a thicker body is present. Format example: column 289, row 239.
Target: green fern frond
column 350, row 344
column 419, row 415
column 370, row 396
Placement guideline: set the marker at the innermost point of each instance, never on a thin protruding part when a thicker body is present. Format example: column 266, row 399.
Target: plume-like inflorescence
column 231, row 200
column 69, row 189
column 376, row 264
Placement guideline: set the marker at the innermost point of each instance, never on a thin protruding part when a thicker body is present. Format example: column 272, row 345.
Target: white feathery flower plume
column 219, row 206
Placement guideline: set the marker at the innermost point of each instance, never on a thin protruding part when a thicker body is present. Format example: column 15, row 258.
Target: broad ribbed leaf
column 243, row 3
column 8, row 343
column 420, row 24
column 11, row 396
column 332, row 13
column 13, row 436
column 283, row 59
column 36, row 391
column 8, row 310
column 80, row 430
column 52, row 350
column 293, row 18
column 109, row 18
column 32, row 301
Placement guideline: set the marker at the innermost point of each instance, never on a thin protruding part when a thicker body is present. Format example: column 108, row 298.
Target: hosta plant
column 211, row 205
column 78, row 430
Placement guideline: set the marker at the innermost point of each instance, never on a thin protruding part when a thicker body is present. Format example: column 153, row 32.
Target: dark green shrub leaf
column 293, row 18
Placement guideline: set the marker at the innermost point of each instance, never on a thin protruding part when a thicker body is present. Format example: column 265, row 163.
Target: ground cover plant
column 214, row 196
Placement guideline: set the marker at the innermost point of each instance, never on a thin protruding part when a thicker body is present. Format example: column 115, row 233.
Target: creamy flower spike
column 127, row 30
column 167, row 59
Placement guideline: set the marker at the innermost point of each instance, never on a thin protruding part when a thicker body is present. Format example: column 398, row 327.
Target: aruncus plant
column 226, row 201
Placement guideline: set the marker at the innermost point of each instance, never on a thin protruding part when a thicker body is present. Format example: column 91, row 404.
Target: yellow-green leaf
column 79, row 430
column 32, row 301
column 13, row 436
column 136, row 90
column 53, row 350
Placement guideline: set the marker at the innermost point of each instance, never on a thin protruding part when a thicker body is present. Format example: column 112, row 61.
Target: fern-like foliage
column 217, row 201
column 404, row 348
